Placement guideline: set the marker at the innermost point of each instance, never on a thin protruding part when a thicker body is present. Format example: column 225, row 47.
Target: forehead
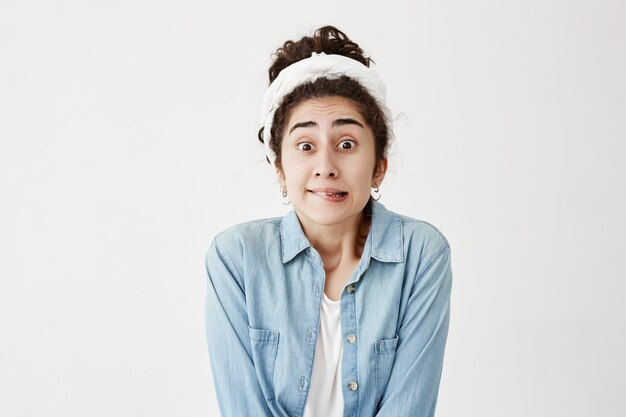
column 331, row 107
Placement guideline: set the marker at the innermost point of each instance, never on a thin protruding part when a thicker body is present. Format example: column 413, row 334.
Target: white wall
column 128, row 139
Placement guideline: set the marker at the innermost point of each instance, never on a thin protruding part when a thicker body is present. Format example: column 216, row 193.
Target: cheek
column 293, row 174
column 359, row 180
column 365, row 169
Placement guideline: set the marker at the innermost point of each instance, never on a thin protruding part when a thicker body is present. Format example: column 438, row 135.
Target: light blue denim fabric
column 264, row 289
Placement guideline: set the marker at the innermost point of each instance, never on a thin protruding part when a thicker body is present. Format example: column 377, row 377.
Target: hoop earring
column 283, row 191
column 376, row 191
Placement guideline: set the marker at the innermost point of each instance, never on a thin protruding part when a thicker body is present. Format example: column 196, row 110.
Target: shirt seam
column 406, row 219
column 223, row 259
column 429, row 267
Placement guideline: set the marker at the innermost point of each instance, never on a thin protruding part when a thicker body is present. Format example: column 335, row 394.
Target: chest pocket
column 264, row 349
column 385, row 352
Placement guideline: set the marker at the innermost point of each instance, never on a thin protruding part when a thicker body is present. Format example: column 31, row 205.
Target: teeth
column 337, row 195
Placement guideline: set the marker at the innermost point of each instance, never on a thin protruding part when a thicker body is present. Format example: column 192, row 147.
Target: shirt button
column 351, row 338
column 353, row 386
column 351, row 288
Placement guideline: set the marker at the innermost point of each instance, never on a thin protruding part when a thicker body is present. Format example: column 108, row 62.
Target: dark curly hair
column 329, row 40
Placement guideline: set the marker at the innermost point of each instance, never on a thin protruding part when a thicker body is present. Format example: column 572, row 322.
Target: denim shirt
column 264, row 289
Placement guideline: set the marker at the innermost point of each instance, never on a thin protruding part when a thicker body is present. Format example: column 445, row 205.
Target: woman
column 341, row 307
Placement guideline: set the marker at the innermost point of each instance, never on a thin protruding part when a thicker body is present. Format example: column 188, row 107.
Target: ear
column 379, row 174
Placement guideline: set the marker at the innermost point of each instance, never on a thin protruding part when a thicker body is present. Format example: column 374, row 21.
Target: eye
column 347, row 144
column 305, row 146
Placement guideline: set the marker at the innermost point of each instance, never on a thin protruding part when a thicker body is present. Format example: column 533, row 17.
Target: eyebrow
column 338, row 122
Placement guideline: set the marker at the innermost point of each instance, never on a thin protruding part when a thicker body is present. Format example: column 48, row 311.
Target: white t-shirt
column 325, row 393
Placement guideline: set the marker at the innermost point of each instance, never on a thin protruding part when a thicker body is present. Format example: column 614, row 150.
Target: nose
column 326, row 165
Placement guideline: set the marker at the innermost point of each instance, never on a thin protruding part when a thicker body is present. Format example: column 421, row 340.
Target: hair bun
column 327, row 39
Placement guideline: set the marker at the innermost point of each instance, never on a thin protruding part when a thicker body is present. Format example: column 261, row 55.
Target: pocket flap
column 263, row 336
column 386, row 345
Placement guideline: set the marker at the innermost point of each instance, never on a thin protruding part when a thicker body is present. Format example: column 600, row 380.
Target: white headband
column 309, row 69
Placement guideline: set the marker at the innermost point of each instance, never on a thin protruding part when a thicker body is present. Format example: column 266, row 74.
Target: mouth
column 332, row 195
column 337, row 194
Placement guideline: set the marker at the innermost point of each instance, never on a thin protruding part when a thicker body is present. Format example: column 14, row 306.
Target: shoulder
column 424, row 232
column 423, row 243
column 248, row 235
column 243, row 246
column 414, row 231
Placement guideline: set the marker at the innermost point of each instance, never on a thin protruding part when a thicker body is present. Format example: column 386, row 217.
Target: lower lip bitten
column 331, row 196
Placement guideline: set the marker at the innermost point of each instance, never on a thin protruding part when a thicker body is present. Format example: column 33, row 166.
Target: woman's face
column 328, row 158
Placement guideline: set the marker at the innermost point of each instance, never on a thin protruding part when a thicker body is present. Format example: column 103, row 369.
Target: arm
column 234, row 376
column 414, row 381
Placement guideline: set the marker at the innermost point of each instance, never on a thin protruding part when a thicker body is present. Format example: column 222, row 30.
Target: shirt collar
column 384, row 241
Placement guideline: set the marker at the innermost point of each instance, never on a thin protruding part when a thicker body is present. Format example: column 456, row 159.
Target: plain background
column 128, row 140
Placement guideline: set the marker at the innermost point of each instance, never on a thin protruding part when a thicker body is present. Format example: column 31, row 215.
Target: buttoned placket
column 348, row 317
column 348, row 327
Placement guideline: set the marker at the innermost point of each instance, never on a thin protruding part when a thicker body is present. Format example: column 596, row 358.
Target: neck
column 339, row 243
